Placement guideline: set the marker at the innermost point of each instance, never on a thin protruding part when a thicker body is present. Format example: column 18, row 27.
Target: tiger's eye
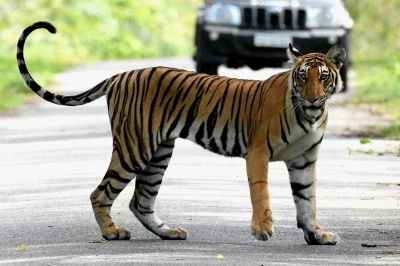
column 323, row 77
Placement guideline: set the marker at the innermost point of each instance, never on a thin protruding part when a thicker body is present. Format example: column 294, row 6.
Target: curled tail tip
column 40, row 25
column 47, row 25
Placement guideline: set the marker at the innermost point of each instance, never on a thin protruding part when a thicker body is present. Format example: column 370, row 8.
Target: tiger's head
column 314, row 79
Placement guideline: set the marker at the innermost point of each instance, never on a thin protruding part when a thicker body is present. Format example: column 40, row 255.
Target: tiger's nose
column 312, row 99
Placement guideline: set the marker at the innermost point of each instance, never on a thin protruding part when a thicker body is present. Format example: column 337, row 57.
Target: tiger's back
column 171, row 103
column 282, row 118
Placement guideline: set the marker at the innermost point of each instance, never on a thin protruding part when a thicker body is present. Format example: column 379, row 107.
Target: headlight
column 223, row 14
column 334, row 17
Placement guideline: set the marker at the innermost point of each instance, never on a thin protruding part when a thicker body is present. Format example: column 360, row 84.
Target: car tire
column 206, row 68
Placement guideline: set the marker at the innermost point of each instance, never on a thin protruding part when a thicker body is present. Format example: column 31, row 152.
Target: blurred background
column 95, row 30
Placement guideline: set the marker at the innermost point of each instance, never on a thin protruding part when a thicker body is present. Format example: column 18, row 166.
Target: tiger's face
column 314, row 79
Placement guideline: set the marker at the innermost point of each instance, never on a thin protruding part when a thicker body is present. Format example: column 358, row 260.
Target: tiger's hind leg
column 102, row 198
column 148, row 183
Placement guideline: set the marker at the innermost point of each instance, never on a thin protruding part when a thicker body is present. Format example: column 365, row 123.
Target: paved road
column 52, row 157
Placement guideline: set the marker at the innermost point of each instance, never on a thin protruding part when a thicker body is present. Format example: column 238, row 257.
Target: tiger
column 282, row 118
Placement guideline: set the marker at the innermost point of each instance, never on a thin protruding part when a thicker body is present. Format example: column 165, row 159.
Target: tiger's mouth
column 314, row 107
column 312, row 111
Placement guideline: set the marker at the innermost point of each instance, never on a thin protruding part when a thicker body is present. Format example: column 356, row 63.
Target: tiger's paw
column 262, row 229
column 174, row 234
column 118, row 234
column 321, row 238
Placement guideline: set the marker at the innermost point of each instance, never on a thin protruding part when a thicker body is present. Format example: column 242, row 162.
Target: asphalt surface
column 52, row 157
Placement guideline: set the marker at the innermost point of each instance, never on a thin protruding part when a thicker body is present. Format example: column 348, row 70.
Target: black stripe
column 155, row 98
column 244, row 131
column 237, row 150
column 140, row 182
column 191, row 115
column 102, row 187
column 224, row 136
column 160, row 166
column 296, row 187
column 139, row 99
column 199, row 135
column 136, row 205
column 199, row 86
column 224, row 95
column 177, row 98
column 322, row 113
column 316, row 143
column 301, row 196
column 136, row 169
column 283, row 134
column 109, row 95
column 269, row 144
column 162, row 144
column 175, row 122
column 161, row 158
column 212, row 120
column 151, row 193
column 169, row 85
column 213, row 145
column 148, row 195
column 285, row 112
column 147, row 173
column 276, row 77
column 33, row 85
column 326, row 118
column 141, row 193
column 298, row 115
column 235, row 95
column 48, row 96
column 300, row 167
column 113, row 189
column 115, row 175
column 108, row 194
column 23, row 69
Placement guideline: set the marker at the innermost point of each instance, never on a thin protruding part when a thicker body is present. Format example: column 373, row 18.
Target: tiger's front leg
column 262, row 226
column 302, row 173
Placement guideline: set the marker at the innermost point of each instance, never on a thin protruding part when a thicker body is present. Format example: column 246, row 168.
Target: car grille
column 273, row 18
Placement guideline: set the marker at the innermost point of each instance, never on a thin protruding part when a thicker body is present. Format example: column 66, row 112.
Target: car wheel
column 211, row 69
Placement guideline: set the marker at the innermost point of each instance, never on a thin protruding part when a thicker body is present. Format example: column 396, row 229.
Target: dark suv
column 257, row 33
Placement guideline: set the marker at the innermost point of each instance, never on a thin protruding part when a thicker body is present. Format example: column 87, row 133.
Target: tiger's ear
column 336, row 55
column 293, row 54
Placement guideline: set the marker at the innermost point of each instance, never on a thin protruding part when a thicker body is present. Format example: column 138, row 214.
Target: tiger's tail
column 75, row 100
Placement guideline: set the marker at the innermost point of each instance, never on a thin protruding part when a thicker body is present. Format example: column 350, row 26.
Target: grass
column 377, row 81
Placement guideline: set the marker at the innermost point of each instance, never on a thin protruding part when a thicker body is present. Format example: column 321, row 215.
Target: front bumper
column 216, row 44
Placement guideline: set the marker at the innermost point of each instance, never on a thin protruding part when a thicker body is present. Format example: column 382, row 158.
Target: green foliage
column 376, row 25
column 375, row 53
column 365, row 141
column 87, row 31
column 103, row 29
